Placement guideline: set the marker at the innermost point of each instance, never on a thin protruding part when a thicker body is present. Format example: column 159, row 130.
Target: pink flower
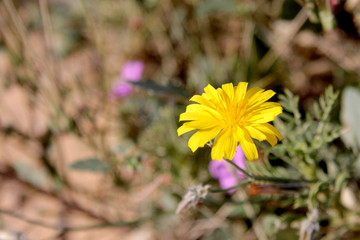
column 121, row 89
column 131, row 72
column 226, row 174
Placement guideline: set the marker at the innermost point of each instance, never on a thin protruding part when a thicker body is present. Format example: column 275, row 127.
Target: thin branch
column 240, row 169
column 270, row 179
column 72, row 228
column 67, row 203
column 25, row 219
column 244, row 182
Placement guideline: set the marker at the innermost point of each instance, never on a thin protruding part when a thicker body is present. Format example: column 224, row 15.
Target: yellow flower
column 231, row 115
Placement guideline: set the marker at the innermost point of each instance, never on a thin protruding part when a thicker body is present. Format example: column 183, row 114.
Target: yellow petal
column 229, row 90
column 264, row 116
column 247, row 145
column 184, row 129
column 262, row 106
column 204, row 123
column 217, row 151
column 270, row 132
column 230, row 145
column 198, row 108
column 240, row 92
column 224, row 146
column 271, row 108
column 190, row 116
column 258, row 96
column 273, row 129
column 271, row 139
column 238, row 133
column 253, row 93
column 200, row 138
column 202, row 100
column 255, row 133
column 212, row 93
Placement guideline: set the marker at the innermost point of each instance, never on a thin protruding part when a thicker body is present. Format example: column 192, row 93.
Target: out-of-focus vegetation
column 77, row 164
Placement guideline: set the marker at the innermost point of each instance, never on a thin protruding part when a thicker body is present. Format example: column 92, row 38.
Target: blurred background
column 90, row 97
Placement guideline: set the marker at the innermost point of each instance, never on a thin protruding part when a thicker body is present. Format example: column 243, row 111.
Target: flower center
column 233, row 115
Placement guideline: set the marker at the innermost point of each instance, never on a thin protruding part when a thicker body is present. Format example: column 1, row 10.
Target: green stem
column 240, row 169
column 104, row 225
column 270, row 179
column 246, row 181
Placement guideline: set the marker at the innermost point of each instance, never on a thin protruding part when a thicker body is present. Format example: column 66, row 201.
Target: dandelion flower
column 231, row 115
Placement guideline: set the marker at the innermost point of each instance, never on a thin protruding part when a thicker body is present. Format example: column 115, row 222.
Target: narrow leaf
column 152, row 86
column 90, row 164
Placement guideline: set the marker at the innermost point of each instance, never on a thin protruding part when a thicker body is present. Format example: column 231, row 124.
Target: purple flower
column 121, row 89
column 226, row 174
column 131, row 72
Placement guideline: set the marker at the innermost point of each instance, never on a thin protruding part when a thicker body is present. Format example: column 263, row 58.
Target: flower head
column 194, row 196
column 223, row 172
column 231, row 115
column 121, row 89
column 131, row 72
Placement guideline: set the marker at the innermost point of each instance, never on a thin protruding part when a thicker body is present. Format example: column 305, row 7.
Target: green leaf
column 300, row 202
column 90, row 164
column 314, row 191
column 340, row 181
column 209, row 6
column 152, row 86
column 38, row 177
column 134, row 162
column 326, row 18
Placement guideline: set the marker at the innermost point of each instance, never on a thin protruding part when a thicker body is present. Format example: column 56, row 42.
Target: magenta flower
column 226, row 174
column 121, row 89
column 131, row 72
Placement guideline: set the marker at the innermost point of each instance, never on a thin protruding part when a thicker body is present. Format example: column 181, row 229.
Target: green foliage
column 209, row 6
column 158, row 89
column 66, row 55
column 307, row 139
column 90, row 164
column 134, row 162
column 317, row 168
column 34, row 176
